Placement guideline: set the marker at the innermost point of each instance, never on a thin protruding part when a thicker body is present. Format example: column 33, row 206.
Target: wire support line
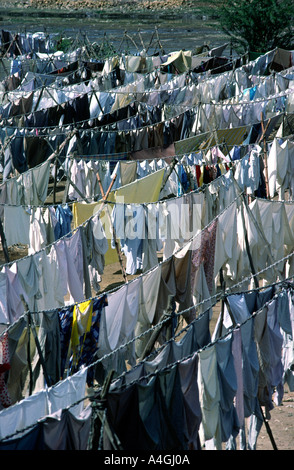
column 97, row 214
column 163, row 369
column 115, row 289
column 132, row 94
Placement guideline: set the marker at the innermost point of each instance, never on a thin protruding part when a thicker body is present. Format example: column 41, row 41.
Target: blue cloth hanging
column 64, row 217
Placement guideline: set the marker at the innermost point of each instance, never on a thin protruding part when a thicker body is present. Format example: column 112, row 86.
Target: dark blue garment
column 90, row 344
column 235, row 153
column 254, row 133
column 65, row 319
column 150, row 416
column 33, row 440
column 218, row 171
column 64, row 217
column 183, row 180
column 228, row 388
column 17, row 151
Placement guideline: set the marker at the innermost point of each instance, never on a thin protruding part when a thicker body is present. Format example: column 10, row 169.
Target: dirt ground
column 282, row 426
column 130, row 5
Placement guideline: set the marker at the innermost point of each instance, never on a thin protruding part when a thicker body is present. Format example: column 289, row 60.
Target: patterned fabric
column 88, row 342
column 5, row 399
column 81, row 325
column 65, row 320
column 205, row 255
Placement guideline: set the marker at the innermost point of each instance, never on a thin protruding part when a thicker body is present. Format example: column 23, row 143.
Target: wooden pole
column 171, row 168
column 4, row 243
column 268, row 429
column 55, row 179
column 104, row 196
column 263, row 137
column 31, row 326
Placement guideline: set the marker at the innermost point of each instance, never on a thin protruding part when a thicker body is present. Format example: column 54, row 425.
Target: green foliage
column 64, row 44
column 258, row 25
column 104, row 50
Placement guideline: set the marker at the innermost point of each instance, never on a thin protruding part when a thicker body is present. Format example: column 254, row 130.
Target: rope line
column 163, row 369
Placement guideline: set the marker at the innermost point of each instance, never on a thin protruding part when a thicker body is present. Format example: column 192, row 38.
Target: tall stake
column 264, row 129
column 104, row 196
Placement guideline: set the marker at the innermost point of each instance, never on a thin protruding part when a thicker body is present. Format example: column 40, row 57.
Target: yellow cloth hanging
column 81, row 325
column 201, row 175
column 146, row 189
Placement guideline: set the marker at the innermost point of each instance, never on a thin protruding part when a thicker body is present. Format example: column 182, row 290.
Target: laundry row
column 38, row 227
column 169, row 224
column 203, row 391
column 27, row 150
column 40, row 62
column 30, row 188
column 188, row 275
column 28, row 42
column 211, row 391
column 277, row 57
column 71, row 267
column 21, row 146
column 83, row 174
column 22, row 102
column 204, row 117
column 210, row 236
column 47, row 402
column 214, row 248
column 178, row 94
column 208, row 384
column 60, row 431
column 18, row 103
column 191, row 171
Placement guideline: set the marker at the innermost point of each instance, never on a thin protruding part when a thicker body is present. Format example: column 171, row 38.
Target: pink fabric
column 205, row 254
column 5, row 399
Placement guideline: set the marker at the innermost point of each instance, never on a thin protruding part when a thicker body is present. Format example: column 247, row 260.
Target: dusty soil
column 108, row 4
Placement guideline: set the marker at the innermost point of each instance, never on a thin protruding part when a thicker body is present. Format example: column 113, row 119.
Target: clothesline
column 117, row 159
column 212, row 182
column 216, row 296
column 61, row 130
column 214, row 299
column 79, row 51
column 64, row 81
column 224, row 220
column 194, row 108
column 130, row 281
column 65, row 236
column 74, row 157
column 167, row 367
column 160, row 90
column 221, row 338
column 104, row 76
column 231, row 291
column 232, row 164
column 89, row 84
column 90, row 90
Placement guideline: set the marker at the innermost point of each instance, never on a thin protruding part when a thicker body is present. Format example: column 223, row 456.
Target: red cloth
column 5, row 399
